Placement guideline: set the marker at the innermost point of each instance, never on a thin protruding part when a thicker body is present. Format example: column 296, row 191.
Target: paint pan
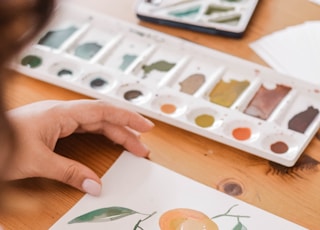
column 207, row 118
column 196, row 74
column 99, row 81
column 160, row 66
column 127, row 53
column 228, row 18
column 169, row 105
column 201, row 90
column 91, row 45
column 230, row 88
column 68, row 71
column 134, row 93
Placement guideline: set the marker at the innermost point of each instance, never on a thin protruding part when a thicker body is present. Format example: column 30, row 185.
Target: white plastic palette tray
column 215, row 95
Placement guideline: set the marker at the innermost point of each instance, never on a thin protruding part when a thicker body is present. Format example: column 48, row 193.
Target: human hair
column 20, row 22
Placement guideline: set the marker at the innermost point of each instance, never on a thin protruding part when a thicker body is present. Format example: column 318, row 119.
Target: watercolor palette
column 224, row 17
column 215, row 95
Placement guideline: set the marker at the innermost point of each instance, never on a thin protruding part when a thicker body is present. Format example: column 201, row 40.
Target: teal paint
column 127, row 59
column 87, row 50
column 188, row 12
column 55, row 38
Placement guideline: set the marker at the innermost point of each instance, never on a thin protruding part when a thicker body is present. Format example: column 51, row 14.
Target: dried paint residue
column 162, row 66
column 168, row 108
column 87, row 50
column 55, row 38
column 241, row 133
column 265, row 101
column 279, row 147
column 301, row 121
column 98, row 83
column 188, row 12
column 31, row 61
column 127, row 59
column 192, row 83
column 204, row 120
column 226, row 93
column 132, row 95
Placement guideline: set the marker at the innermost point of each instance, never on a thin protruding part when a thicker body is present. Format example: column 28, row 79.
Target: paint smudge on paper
column 265, row 101
column 241, row 133
column 87, row 50
column 126, row 61
column 55, row 38
column 162, row 66
column 192, row 83
column 204, row 120
column 226, row 93
column 301, row 121
column 279, row 147
column 31, row 61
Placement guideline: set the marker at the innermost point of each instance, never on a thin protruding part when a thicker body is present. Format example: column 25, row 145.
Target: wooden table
column 292, row 193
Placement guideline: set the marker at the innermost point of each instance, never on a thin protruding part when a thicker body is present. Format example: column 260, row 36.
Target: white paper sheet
column 143, row 186
column 294, row 51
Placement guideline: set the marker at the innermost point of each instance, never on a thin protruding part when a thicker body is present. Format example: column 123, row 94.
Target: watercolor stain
column 279, row 147
column 204, row 120
column 87, row 50
column 31, row 61
column 192, row 83
column 241, row 133
column 265, row 101
column 226, row 93
column 168, row 108
column 162, row 66
column 98, row 83
column 301, row 121
column 55, row 38
column 132, row 95
column 127, row 59
column 188, row 12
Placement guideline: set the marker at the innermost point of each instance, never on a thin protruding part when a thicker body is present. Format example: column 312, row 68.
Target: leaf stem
column 227, row 214
column 137, row 225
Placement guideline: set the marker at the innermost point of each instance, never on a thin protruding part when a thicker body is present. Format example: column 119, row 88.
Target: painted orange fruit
column 186, row 219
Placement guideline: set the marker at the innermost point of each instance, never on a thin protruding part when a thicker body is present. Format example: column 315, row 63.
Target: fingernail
column 91, row 187
column 150, row 122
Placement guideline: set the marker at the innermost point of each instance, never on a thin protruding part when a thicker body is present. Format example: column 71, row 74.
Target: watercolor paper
column 139, row 194
column 201, row 90
column 294, row 50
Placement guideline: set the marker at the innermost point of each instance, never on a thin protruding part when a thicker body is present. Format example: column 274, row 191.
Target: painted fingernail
column 91, row 187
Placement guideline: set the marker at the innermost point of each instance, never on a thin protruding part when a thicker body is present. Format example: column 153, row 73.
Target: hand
column 38, row 127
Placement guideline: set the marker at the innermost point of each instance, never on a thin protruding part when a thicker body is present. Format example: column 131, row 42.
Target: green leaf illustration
column 103, row 215
column 239, row 226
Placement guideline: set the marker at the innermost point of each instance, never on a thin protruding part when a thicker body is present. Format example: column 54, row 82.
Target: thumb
column 70, row 172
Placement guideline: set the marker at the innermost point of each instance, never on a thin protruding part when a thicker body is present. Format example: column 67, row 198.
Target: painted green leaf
column 103, row 215
column 239, row 226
